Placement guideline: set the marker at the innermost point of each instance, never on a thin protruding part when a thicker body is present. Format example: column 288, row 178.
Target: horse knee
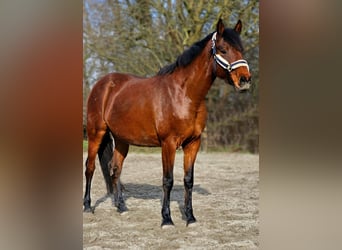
column 168, row 182
column 188, row 182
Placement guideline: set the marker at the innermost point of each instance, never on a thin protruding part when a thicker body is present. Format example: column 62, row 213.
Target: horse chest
column 180, row 105
column 182, row 124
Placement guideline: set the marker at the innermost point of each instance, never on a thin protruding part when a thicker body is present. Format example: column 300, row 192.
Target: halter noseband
column 223, row 62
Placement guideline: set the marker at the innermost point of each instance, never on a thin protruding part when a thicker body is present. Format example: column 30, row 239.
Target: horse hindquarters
column 99, row 142
column 99, row 139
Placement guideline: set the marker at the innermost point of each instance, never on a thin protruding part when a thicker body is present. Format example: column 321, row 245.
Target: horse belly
column 135, row 133
column 134, row 126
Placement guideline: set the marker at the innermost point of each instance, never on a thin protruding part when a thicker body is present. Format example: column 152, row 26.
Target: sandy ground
column 225, row 202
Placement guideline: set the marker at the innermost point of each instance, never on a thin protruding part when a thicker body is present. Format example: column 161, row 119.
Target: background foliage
column 141, row 36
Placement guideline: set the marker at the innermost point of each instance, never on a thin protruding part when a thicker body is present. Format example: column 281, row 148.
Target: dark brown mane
column 229, row 35
column 186, row 57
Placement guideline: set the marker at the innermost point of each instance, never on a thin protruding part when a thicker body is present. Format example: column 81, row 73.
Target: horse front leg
column 190, row 152
column 168, row 158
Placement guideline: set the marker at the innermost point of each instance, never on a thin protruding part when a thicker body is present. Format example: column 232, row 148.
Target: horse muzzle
column 244, row 84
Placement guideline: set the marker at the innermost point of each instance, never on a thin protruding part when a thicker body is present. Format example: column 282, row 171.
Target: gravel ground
column 225, row 202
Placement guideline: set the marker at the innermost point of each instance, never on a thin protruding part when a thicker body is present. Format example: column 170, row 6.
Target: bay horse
column 167, row 110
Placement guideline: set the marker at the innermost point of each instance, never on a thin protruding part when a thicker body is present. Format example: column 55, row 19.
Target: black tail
column 105, row 154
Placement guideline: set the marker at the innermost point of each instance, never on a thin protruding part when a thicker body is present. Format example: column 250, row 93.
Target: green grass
column 150, row 150
column 85, row 145
column 134, row 149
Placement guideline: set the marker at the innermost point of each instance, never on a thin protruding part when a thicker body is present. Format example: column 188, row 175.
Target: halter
column 223, row 62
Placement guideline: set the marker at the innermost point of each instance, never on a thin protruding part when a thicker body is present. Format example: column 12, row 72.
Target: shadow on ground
column 152, row 192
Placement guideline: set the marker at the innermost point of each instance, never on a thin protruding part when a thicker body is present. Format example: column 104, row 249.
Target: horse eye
column 223, row 51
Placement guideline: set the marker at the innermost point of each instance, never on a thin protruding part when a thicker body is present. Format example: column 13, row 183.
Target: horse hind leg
column 120, row 153
column 95, row 137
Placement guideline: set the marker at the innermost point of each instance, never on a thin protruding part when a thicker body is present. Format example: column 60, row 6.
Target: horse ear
column 238, row 27
column 220, row 27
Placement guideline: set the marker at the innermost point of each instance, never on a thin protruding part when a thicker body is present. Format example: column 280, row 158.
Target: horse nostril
column 245, row 83
column 245, row 79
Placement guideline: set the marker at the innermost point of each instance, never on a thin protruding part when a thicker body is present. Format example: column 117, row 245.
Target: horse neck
column 197, row 77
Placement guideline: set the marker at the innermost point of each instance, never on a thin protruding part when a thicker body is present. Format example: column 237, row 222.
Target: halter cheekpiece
column 223, row 62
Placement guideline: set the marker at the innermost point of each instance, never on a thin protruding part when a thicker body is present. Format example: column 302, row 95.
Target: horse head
column 228, row 50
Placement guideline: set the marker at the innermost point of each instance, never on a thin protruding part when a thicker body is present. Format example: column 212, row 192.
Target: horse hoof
column 191, row 222
column 166, row 227
column 167, row 224
column 88, row 210
column 122, row 209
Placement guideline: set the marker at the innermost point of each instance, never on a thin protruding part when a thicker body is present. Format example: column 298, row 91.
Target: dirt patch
column 225, row 202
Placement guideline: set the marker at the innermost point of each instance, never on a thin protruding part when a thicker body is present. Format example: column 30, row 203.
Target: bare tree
column 141, row 36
